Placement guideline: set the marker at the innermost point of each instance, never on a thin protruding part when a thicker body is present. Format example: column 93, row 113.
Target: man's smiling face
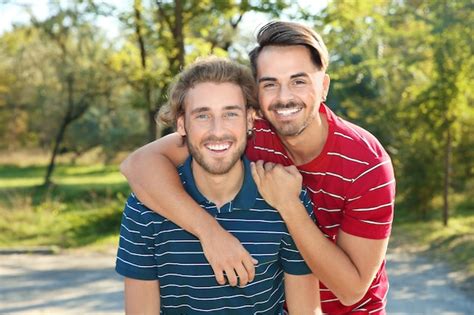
column 290, row 88
column 215, row 125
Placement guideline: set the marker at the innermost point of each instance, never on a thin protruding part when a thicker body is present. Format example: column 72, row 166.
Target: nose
column 217, row 127
column 285, row 93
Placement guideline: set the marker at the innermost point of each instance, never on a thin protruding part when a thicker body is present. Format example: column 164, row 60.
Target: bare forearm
column 327, row 261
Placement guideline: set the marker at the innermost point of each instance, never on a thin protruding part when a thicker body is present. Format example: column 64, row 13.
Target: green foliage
column 64, row 68
column 83, row 210
column 112, row 129
column 403, row 70
column 164, row 36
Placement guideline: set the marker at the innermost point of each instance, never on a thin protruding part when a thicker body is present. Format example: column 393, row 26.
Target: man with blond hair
column 211, row 103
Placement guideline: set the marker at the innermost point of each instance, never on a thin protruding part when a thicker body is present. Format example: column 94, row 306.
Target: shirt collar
column 244, row 199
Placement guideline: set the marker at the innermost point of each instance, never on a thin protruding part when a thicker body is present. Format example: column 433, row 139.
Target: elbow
column 124, row 167
column 352, row 296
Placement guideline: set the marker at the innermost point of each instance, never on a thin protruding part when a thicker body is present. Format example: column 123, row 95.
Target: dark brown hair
column 207, row 69
column 279, row 33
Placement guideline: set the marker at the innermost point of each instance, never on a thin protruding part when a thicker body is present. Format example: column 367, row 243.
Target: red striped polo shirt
column 352, row 188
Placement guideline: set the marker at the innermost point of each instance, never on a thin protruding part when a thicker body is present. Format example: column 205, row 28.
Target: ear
column 250, row 118
column 326, row 83
column 180, row 126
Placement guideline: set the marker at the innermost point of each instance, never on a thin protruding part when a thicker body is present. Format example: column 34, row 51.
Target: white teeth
column 218, row 147
column 287, row 111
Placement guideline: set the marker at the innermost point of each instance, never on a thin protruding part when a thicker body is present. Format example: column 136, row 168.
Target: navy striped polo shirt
column 154, row 248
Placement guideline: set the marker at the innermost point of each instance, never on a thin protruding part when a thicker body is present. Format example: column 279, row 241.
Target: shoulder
column 356, row 152
column 261, row 125
column 358, row 157
column 140, row 214
column 263, row 130
column 351, row 138
column 265, row 144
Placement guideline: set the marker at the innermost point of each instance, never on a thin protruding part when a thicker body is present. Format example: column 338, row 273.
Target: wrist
column 206, row 227
column 293, row 211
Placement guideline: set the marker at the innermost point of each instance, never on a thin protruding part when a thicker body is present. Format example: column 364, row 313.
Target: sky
column 14, row 11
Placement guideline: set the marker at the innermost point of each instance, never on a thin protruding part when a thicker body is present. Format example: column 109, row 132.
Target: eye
column 231, row 114
column 268, row 85
column 202, row 116
column 299, row 82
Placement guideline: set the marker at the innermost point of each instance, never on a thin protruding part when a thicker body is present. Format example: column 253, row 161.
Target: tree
column 77, row 59
column 402, row 70
column 448, row 94
column 170, row 34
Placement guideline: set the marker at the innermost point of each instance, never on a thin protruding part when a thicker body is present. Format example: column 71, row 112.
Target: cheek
column 194, row 133
column 309, row 96
column 238, row 127
column 264, row 101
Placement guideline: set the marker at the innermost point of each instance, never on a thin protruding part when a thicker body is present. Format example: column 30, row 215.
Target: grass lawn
column 83, row 208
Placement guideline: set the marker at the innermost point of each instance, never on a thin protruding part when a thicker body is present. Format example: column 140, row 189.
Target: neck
column 220, row 189
column 316, row 134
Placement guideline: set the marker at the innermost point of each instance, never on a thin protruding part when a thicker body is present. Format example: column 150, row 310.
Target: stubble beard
column 293, row 128
column 216, row 168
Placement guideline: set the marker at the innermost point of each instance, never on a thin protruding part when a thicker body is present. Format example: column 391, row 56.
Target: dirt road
column 420, row 286
column 72, row 283
column 85, row 283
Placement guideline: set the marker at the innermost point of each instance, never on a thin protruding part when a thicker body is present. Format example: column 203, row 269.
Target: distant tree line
column 402, row 69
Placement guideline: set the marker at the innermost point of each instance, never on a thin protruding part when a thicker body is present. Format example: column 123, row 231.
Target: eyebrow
column 234, row 107
column 299, row 74
column 263, row 79
column 271, row 79
column 200, row 110
column 228, row 107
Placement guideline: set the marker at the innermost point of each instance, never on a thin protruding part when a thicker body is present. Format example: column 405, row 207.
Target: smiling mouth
column 218, row 147
column 287, row 112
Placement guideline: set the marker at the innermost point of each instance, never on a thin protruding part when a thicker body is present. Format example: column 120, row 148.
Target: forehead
column 284, row 61
column 215, row 96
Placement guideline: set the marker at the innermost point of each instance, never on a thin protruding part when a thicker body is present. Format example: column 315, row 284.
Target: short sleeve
column 291, row 259
column 135, row 255
column 370, row 201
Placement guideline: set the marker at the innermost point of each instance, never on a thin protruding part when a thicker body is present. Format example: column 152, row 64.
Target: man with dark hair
column 211, row 104
column 346, row 170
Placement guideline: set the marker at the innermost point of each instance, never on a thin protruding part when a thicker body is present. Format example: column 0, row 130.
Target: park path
column 86, row 283
column 421, row 286
column 67, row 283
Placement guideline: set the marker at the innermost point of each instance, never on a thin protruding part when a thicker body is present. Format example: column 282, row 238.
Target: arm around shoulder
column 143, row 160
column 152, row 175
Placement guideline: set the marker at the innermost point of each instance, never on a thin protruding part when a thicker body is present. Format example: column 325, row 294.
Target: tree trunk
column 178, row 33
column 137, row 6
column 151, row 113
column 60, row 135
column 447, row 175
column 57, row 143
column 152, row 128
